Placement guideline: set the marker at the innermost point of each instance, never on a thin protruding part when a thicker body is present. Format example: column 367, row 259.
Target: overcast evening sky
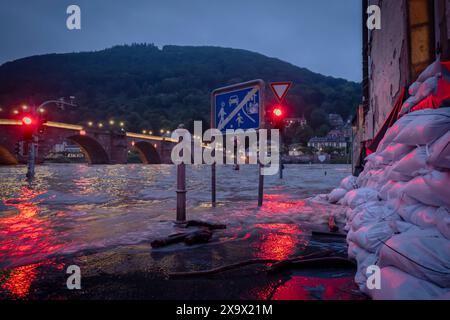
column 321, row 35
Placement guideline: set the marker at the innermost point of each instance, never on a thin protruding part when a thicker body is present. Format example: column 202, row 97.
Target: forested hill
column 152, row 88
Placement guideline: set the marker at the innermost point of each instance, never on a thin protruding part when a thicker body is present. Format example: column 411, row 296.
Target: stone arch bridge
column 99, row 146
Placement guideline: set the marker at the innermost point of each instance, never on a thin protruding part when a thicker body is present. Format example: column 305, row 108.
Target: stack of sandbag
column 431, row 90
column 398, row 209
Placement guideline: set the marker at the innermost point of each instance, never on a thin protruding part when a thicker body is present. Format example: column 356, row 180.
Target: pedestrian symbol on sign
column 238, row 106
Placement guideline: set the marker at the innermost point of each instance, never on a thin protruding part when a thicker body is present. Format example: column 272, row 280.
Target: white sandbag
column 434, row 69
column 425, row 89
column 426, row 128
column 376, row 179
column 370, row 237
column 408, row 105
column 394, row 131
column 420, row 215
column 411, row 165
column 355, row 251
column 349, row 213
column 443, row 222
column 372, row 213
column 412, row 90
column 419, row 253
column 390, row 174
column 349, row 183
column 394, row 152
column 357, row 197
column 431, row 189
column 362, row 179
column 398, row 285
column 336, row 195
column 440, row 152
column 392, row 190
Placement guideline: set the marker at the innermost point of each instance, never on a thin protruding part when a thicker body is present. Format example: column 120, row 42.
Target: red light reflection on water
column 19, row 281
column 279, row 241
column 310, row 288
column 280, row 204
column 24, row 237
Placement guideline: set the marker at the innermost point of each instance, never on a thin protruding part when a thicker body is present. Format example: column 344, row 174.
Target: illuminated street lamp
column 111, row 122
column 41, row 110
column 122, row 124
column 90, row 123
column 100, row 125
column 25, row 107
column 161, row 131
column 150, row 132
column 16, row 111
column 144, row 131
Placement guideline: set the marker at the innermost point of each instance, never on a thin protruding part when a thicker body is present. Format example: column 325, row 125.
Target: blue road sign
column 238, row 107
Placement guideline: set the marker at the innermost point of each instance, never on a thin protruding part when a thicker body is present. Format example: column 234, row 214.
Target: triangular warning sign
column 280, row 89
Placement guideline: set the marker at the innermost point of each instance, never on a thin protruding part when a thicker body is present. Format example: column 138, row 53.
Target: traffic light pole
column 31, row 150
column 280, row 160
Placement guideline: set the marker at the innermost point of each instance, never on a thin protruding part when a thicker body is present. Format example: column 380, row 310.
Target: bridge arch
column 147, row 152
column 6, row 157
column 92, row 149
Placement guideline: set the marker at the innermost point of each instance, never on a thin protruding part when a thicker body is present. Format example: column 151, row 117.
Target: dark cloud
column 322, row 35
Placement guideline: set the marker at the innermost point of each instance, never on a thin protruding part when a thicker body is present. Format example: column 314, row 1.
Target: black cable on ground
column 317, row 259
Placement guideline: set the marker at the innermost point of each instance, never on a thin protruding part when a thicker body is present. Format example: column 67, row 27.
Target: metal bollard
column 31, row 160
column 181, row 191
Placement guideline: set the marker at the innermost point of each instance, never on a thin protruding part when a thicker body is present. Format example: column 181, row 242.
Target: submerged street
column 103, row 219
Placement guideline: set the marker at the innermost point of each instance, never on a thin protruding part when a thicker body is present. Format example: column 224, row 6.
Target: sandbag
column 376, row 179
column 419, row 253
column 390, row 174
column 349, row 183
column 411, row 165
column 398, row 285
column 355, row 251
column 440, row 152
column 370, row 237
column 434, row 69
column 357, row 197
column 372, row 213
column 426, row 128
column 420, row 215
column 395, row 151
column 336, row 195
column 393, row 132
column 431, row 189
column 412, row 90
column 427, row 88
column 392, row 190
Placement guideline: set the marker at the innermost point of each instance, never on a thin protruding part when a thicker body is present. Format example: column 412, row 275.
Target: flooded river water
column 103, row 218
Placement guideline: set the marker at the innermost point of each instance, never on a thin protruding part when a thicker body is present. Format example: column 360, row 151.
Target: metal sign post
column 280, row 90
column 239, row 106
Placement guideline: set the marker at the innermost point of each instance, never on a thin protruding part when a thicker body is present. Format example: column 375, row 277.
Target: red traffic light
column 278, row 112
column 27, row 121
